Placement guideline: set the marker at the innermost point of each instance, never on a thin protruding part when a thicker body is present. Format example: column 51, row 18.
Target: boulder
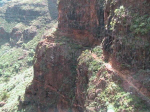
column 29, row 33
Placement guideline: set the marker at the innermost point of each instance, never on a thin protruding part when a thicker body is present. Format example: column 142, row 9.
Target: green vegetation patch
column 140, row 24
column 107, row 91
column 13, row 89
column 8, row 26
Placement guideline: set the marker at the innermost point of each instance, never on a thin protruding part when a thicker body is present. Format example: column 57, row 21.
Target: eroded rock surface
column 54, row 83
column 60, row 84
column 82, row 20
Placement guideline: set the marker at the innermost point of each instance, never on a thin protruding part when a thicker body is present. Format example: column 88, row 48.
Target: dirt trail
column 125, row 77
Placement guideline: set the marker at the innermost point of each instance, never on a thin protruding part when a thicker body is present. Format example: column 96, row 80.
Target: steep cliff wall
column 67, row 80
column 54, row 82
column 82, row 20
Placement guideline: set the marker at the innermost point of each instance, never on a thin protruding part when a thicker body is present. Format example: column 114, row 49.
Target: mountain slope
column 23, row 25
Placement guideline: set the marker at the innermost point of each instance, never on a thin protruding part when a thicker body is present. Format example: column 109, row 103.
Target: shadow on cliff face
column 3, row 41
column 52, row 6
column 4, row 36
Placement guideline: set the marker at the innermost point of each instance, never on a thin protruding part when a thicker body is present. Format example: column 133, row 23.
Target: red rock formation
column 55, row 87
column 54, row 83
column 81, row 20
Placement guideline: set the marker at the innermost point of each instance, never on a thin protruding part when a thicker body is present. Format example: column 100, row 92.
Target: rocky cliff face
column 82, row 20
column 127, row 24
column 63, row 83
column 54, row 82
column 56, row 59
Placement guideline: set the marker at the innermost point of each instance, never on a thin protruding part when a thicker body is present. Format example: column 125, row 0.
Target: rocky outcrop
column 16, row 35
column 81, row 20
column 29, row 33
column 61, row 84
column 20, row 34
column 54, row 85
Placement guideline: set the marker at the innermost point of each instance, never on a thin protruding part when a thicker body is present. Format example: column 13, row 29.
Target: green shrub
column 16, row 67
column 31, row 53
column 98, row 51
column 30, row 60
column 6, row 64
column 4, row 96
column 1, row 72
column 140, row 24
column 120, row 11
column 1, row 66
column 94, row 66
column 6, row 79
column 7, row 74
column 23, row 45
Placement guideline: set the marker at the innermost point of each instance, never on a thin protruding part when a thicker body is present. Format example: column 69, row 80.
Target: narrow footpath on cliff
column 125, row 77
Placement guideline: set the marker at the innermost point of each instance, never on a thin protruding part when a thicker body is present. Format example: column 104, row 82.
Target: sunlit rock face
column 82, row 20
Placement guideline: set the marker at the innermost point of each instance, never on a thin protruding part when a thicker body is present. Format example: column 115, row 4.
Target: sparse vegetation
column 140, row 24
column 111, row 96
column 4, row 96
column 102, row 88
column 17, row 53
